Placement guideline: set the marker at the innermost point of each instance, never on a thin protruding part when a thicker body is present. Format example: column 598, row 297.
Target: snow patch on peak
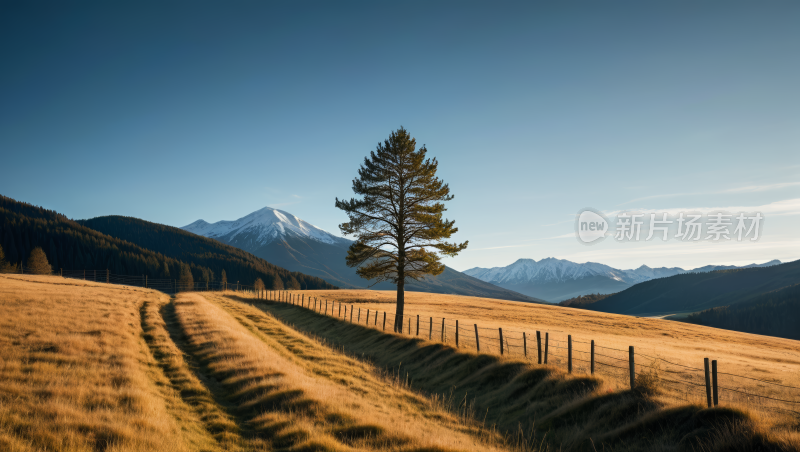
column 266, row 224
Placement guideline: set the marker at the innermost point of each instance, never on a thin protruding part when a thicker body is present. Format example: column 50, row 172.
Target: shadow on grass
column 529, row 402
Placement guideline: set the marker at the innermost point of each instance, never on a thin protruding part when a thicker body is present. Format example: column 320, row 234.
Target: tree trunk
column 398, row 318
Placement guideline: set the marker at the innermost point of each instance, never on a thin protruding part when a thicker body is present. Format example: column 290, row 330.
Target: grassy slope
column 88, row 366
column 302, row 395
column 76, row 374
column 763, row 357
column 95, row 367
column 538, row 404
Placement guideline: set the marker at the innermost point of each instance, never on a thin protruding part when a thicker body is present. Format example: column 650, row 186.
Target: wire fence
column 705, row 384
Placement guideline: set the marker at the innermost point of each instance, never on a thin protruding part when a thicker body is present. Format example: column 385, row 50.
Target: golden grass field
column 93, row 367
column 762, row 357
column 76, row 374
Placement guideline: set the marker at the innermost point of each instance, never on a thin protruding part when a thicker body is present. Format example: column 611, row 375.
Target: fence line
column 544, row 347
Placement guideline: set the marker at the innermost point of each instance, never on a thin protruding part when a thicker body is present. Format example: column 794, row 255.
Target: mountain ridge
column 559, row 279
column 292, row 243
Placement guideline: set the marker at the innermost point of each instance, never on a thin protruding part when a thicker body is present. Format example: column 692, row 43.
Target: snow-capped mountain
column 263, row 227
column 285, row 240
column 557, row 279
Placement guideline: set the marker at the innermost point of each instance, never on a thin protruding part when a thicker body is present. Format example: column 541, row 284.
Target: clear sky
column 175, row 111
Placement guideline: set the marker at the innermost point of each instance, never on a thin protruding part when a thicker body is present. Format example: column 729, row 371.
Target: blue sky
column 175, row 111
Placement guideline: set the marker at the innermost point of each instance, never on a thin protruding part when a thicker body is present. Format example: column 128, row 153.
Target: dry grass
column 762, row 357
column 533, row 404
column 76, row 375
column 297, row 393
column 92, row 367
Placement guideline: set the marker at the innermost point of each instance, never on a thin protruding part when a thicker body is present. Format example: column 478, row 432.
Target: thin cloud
column 778, row 208
column 748, row 189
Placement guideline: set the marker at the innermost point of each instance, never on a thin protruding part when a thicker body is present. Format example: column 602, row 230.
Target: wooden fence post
column 569, row 353
column 417, row 324
column 477, row 339
column 409, row 326
column 708, row 381
column 546, row 345
column 351, row 313
column 456, row 333
column 326, row 308
column 539, row 345
column 359, row 316
column 632, row 366
column 592, row 358
column 714, row 381
column 376, row 318
column 430, row 331
column 525, row 344
column 442, row 329
column 501, row 340
column 384, row 319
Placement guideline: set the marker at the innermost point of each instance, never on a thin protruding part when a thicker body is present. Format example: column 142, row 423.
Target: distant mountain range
column 289, row 242
column 557, row 279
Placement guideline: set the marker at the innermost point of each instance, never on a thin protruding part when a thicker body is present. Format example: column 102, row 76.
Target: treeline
column 774, row 313
column 71, row 245
column 582, row 301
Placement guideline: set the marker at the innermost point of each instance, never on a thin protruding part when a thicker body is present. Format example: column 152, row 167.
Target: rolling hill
column 775, row 313
column 691, row 292
column 290, row 242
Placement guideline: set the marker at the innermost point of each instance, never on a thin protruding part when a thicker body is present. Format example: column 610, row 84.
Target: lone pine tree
column 398, row 221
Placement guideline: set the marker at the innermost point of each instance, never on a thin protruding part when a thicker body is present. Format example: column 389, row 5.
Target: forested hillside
column 71, row 245
column 774, row 313
column 692, row 292
column 583, row 301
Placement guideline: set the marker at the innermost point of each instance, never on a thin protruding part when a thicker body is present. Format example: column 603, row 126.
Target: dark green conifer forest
column 775, row 313
column 129, row 246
